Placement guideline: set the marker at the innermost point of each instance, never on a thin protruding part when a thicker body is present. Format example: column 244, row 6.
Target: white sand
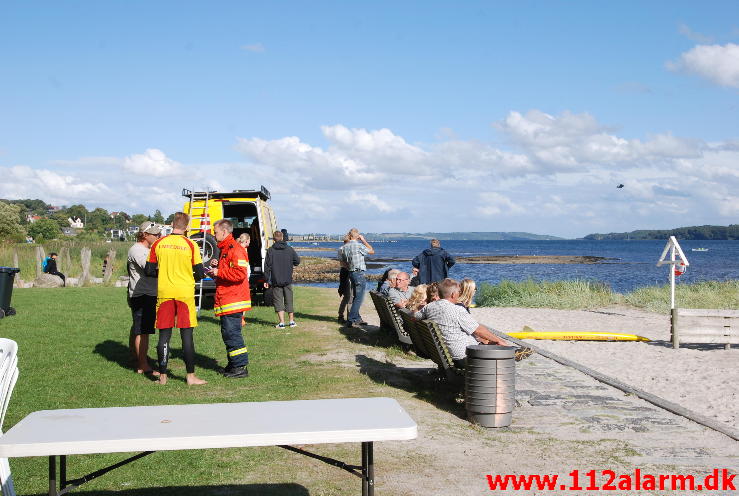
column 703, row 378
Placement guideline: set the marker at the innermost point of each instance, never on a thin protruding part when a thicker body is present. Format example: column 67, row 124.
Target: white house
column 76, row 223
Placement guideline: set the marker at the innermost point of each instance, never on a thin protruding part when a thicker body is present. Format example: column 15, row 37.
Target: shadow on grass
column 224, row 490
column 423, row 383
column 116, row 352
column 369, row 335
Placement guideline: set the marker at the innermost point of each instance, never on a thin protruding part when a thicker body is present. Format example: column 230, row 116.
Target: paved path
column 564, row 420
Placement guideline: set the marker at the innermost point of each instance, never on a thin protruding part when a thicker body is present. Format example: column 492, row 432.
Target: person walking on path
column 51, row 268
column 433, row 263
column 232, row 297
column 278, row 272
column 142, row 295
column 175, row 260
column 353, row 254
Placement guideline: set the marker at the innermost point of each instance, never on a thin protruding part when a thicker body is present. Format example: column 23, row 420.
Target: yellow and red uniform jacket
column 232, row 281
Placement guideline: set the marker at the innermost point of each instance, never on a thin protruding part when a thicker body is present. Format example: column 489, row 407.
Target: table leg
column 368, row 469
column 52, row 476
column 62, row 471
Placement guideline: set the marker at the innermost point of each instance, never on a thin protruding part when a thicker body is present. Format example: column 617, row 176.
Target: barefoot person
column 173, row 259
column 142, row 295
column 232, row 297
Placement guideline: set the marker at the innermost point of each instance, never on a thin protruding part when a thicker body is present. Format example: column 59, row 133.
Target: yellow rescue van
column 248, row 210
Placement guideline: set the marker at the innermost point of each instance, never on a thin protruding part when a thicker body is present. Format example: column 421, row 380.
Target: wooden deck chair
column 433, row 340
column 382, row 312
column 410, row 328
column 391, row 321
column 8, row 378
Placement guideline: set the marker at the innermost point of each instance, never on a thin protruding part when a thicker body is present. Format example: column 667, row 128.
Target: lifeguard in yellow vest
column 175, row 261
column 232, row 297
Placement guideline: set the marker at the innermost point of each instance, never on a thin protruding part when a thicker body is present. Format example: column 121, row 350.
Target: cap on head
column 150, row 227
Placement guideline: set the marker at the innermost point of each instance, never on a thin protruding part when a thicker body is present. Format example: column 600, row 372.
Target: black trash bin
column 6, row 290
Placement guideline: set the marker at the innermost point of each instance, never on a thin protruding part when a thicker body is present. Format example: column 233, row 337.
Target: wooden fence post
column 40, row 256
column 108, row 272
column 85, row 255
column 65, row 259
column 17, row 282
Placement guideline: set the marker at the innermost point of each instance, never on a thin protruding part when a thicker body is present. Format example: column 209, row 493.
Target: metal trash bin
column 6, row 290
column 490, row 384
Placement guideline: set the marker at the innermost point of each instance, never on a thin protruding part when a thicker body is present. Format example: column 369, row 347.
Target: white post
column 672, row 277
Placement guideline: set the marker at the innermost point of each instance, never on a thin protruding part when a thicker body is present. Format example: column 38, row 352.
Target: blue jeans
column 236, row 351
column 358, row 285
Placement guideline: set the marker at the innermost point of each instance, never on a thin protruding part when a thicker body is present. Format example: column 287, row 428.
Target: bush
column 572, row 294
column 706, row 294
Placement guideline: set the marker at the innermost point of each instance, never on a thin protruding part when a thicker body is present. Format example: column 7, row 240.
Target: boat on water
column 699, row 249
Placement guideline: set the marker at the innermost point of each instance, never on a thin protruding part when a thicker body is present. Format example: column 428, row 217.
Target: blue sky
column 391, row 116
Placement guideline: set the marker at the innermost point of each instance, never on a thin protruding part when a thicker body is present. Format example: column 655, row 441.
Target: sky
column 410, row 116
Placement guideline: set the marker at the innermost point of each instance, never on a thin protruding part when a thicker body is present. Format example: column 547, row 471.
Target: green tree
column 99, row 220
column 44, row 229
column 158, row 217
column 61, row 219
column 76, row 211
column 139, row 219
column 10, row 225
column 169, row 220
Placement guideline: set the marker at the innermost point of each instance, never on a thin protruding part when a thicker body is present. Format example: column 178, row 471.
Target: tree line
column 16, row 225
column 730, row 232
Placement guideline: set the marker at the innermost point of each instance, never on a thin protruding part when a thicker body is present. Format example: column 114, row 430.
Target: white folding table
column 58, row 433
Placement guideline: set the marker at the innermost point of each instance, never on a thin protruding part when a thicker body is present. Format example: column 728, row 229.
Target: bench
column 59, row 433
column 696, row 325
column 429, row 343
column 389, row 317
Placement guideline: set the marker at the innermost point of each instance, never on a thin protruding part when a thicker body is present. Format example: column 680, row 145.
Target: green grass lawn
column 73, row 353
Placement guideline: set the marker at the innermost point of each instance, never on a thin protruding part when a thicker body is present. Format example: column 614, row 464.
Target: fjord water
column 630, row 264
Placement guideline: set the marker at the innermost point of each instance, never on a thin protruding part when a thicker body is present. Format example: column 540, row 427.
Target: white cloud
column 152, row 162
column 254, row 47
column 716, row 63
column 24, row 182
column 686, row 31
column 370, row 199
column 321, row 169
column 492, row 203
column 578, row 141
column 556, row 174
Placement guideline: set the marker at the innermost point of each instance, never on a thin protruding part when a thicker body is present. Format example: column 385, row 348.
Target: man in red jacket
column 232, row 297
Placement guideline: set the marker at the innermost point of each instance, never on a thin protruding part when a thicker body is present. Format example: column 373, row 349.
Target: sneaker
column 341, row 319
column 236, row 373
column 280, row 326
column 292, row 323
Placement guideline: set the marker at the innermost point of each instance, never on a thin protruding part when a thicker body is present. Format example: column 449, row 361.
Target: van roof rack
column 262, row 193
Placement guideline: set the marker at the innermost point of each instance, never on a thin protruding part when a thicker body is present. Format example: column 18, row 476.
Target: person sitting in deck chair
column 457, row 326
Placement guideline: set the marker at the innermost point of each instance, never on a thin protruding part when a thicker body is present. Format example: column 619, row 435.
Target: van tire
column 211, row 247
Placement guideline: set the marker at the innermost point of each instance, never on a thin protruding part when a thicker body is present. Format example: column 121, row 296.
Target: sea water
column 629, row 264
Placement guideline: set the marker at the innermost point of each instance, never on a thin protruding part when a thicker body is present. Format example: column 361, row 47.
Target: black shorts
column 143, row 313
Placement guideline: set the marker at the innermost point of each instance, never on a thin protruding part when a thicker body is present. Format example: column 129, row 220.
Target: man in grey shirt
column 142, row 296
column 458, row 328
column 401, row 292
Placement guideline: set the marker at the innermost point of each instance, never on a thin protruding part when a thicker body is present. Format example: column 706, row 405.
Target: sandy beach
column 702, row 378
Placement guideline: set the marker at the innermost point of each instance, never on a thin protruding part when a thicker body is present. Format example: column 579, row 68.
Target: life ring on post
column 680, row 268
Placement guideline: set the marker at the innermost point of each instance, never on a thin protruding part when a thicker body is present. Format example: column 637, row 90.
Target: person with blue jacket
column 433, row 263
